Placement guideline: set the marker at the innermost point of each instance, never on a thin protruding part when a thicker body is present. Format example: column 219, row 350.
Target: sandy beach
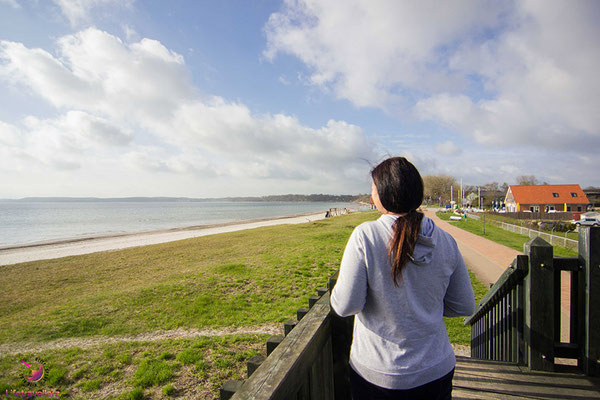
column 72, row 247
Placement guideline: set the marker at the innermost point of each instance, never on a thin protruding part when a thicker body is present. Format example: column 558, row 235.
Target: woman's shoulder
column 375, row 228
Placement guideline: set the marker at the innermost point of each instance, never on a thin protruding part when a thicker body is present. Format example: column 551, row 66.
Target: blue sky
column 203, row 99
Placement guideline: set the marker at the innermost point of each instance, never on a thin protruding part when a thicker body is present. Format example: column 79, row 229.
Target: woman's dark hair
column 400, row 189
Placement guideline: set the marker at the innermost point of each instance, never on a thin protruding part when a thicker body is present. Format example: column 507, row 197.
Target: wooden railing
column 519, row 319
column 309, row 362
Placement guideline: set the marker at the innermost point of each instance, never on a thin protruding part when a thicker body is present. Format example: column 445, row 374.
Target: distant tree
column 471, row 198
column 491, row 187
column 504, row 188
column 470, row 188
column 438, row 186
column 491, row 192
column 363, row 198
column 527, row 180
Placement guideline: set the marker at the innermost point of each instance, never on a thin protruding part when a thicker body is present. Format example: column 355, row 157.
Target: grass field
column 532, row 225
column 499, row 235
column 249, row 278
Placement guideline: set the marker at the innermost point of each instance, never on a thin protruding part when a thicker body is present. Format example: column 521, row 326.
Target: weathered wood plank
column 539, row 305
column 513, row 274
column 567, row 264
column 497, row 380
column 589, row 285
column 282, row 374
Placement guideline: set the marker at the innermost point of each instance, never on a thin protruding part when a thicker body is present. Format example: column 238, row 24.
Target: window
column 568, row 208
column 555, row 194
column 573, row 194
column 578, row 208
column 552, row 208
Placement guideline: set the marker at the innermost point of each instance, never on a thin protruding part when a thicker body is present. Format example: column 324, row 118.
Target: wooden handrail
column 507, row 281
column 519, row 319
column 301, row 363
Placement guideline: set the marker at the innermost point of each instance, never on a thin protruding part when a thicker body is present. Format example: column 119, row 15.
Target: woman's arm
column 350, row 291
column 460, row 298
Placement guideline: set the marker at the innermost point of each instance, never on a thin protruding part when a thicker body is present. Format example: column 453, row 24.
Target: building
column 593, row 195
column 546, row 198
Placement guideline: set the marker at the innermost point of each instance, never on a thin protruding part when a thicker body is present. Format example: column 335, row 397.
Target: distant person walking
column 400, row 275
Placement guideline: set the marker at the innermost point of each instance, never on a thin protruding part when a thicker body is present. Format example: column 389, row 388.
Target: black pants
column 440, row 389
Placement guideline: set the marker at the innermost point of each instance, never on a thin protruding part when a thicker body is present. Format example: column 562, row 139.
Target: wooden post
column 522, row 352
column 539, row 305
column 301, row 313
column 253, row 363
column 589, row 288
column 229, row 389
column 341, row 333
column 312, row 300
column 288, row 326
column 273, row 342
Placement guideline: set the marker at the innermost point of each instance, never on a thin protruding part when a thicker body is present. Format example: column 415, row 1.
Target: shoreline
column 51, row 249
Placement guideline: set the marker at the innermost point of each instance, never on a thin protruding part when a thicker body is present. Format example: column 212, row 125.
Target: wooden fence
column 554, row 240
column 309, row 362
column 519, row 321
column 556, row 216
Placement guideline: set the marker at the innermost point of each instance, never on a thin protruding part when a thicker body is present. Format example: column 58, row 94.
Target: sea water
column 24, row 222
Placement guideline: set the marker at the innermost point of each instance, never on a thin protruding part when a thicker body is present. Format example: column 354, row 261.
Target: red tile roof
column 543, row 194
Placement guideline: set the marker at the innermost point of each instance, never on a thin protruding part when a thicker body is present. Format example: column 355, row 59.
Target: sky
column 117, row 98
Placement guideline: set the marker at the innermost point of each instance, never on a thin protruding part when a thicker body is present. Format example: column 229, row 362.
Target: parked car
column 588, row 221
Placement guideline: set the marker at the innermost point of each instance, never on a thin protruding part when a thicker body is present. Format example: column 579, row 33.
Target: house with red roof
column 546, row 198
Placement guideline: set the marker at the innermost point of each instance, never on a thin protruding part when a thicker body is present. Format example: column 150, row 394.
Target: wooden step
column 478, row 379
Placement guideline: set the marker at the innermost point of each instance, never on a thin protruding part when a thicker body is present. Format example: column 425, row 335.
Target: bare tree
column 437, row 187
column 527, row 180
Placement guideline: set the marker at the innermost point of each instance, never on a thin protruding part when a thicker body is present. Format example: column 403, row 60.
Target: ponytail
column 400, row 191
column 403, row 241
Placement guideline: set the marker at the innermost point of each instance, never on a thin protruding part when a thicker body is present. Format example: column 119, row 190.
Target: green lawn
column 238, row 279
column 499, row 235
column 531, row 225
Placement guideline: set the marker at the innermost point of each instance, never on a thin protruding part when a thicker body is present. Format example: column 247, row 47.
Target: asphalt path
column 486, row 259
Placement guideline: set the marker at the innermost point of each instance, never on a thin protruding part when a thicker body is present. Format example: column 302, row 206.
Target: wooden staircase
column 481, row 379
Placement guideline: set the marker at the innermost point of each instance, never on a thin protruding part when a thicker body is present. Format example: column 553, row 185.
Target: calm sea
column 28, row 222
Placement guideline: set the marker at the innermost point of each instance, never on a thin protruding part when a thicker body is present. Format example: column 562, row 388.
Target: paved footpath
column 486, row 259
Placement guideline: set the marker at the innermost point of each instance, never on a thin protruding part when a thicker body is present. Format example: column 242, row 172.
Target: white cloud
column 135, row 104
column 12, row 3
column 447, row 148
column 373, row 52
column 69, row 141
column 97, row 72
column 522, row 73
column 78, row 11
column 130, row 33
column 9, row 135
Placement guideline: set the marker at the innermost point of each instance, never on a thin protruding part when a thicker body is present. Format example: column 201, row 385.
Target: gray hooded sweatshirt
column 400, row 339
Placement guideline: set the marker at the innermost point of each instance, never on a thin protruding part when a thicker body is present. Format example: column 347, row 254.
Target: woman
column 400, row 275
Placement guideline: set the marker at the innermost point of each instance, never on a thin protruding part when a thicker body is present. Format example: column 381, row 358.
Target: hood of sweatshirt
column 425, row 243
